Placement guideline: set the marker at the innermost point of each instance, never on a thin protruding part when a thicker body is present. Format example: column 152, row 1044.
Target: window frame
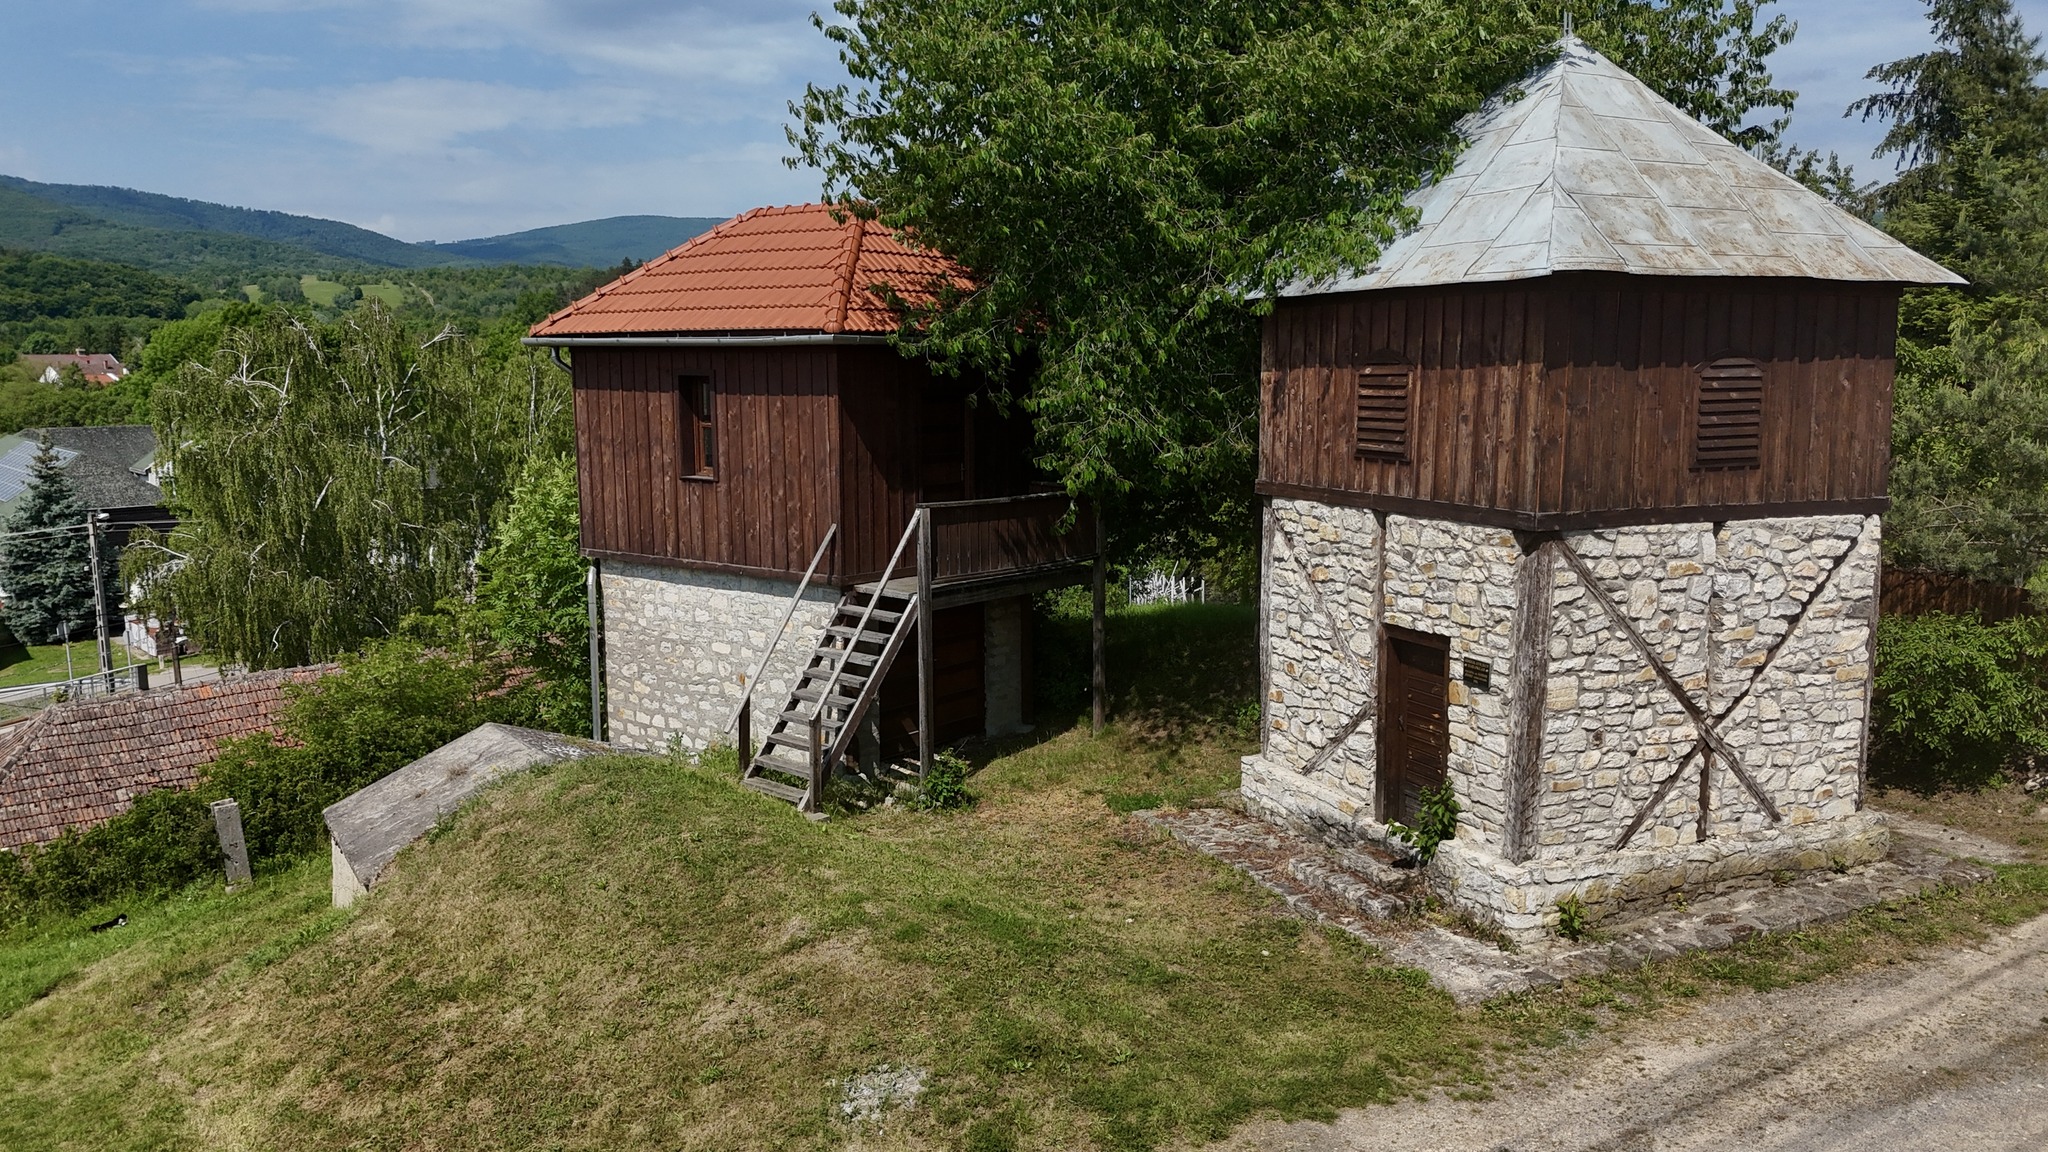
column 697, row 427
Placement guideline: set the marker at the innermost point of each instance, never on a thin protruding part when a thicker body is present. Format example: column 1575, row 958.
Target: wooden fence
column 1910, row 592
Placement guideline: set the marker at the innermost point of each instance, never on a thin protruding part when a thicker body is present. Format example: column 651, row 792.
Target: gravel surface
column 1950, row 1052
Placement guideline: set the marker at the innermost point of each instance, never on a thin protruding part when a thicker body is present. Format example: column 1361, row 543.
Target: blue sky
column 446, row 119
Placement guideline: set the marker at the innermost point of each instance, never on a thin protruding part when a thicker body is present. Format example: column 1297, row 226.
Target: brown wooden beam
column 927, row 660
column 1529, row 521
column 1528, row 688
column 1100, row 636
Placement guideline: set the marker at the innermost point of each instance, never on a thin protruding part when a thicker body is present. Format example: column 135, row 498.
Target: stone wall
column 1004, row 636
column 680, row 643
column 1764, row 624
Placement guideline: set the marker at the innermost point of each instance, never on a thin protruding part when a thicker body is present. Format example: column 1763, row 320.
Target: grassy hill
column 153, row 212
column 226, row 247
column 591, row 244
column 30, row 223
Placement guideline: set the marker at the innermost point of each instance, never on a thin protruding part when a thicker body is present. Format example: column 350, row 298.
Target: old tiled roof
column 75, row 765
column 1592, row 171
column 794, row 270
column 99, row 462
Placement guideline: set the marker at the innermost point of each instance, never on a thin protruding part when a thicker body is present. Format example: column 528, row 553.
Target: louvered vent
column 1383, row 411
column 1729, row 430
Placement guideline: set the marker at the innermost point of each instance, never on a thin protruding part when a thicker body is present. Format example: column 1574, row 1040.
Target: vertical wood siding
column 776, row 486
column 1574, row 395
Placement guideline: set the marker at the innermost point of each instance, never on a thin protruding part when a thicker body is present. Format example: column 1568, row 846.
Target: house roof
column 100, row 463
column 807, row 268
column 1592, row 171
column 77, row 765
column 98, row 367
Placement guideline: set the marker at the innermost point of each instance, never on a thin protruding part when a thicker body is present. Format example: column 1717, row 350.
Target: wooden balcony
column 976, row 550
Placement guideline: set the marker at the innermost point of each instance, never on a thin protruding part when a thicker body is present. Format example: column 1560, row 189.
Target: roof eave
column 687, row 340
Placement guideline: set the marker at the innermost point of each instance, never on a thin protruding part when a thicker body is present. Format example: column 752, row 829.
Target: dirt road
column 1947, row 1053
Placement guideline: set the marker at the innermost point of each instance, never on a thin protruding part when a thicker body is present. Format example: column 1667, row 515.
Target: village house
column 781, row 505
column 98, row 368
column 1572, row 503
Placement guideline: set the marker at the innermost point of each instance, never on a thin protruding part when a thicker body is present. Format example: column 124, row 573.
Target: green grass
column 635, row 952
column 40, row 663
column 318, row 291
column 386, row 293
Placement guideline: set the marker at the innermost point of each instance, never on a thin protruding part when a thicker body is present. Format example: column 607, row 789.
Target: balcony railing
column 1007, row 536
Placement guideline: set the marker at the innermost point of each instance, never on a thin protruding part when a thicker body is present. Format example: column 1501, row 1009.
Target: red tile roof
column 772, row 270
column 76, row 765
column 98, row 367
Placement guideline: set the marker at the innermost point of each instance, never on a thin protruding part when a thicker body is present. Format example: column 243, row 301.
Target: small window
column 1383, row 411
column 696, row 427
column 1728, row 430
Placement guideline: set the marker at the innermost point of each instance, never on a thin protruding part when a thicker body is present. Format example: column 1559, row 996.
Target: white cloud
column 426, row 114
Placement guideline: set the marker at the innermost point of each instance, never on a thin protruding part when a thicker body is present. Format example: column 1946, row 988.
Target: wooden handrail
column 802, row 586
column 861, row 628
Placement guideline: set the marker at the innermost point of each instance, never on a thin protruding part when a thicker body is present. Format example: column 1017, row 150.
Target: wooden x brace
column 1664, row 789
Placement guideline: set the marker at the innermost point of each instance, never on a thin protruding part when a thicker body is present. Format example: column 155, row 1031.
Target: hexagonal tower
column 1572, row 502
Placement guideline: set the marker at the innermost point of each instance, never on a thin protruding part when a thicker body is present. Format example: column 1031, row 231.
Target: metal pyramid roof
column 1592, row 171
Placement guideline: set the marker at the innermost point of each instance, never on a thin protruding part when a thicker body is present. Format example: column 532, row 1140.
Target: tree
column 1126, row 180
column 1969, row 482
column 1969, row 125
column 530, row 599
column 45, row 559
column 329, row 480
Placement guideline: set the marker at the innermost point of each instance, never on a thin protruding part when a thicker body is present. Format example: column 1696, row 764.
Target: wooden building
column 1573, row 505
column 776, row 499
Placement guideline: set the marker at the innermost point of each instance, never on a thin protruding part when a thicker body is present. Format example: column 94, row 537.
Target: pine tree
column 45, row 559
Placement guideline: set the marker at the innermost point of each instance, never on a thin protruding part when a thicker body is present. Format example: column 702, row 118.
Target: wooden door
column 1414, row 737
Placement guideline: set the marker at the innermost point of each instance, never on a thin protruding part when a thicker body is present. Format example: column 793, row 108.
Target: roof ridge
column 849, row 260
column 609, row 287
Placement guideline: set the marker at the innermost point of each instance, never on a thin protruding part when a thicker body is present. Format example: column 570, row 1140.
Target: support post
column 177, row 651
column 1100, row 681
column 593, row 605
column 227, row 824
column 142, row 677
column 99, row 599
column 814, row 800
column 746, row 734
column 927, row 649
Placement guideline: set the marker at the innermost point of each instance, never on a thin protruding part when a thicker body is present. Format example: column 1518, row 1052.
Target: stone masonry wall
column 1765, row 621
column 680, row 643
column 1613, row 732
column 1003, row 638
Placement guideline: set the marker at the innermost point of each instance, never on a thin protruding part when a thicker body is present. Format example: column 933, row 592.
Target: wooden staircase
column 817, row 724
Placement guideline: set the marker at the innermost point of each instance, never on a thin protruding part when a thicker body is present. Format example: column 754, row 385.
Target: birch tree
column 329, row 480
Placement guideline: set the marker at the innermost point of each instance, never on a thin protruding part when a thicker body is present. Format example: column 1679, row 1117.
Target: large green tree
column 1968, row 123
column 1127, row 179
column 45, row 558
column 329, row 480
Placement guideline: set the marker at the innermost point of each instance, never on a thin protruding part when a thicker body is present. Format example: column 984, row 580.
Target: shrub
column 1436, row 823
column 386, row 707
column 945, row 786
column 1956, row 701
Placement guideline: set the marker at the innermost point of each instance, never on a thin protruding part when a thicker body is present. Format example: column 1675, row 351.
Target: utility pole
column 177, row 649
column 99, row 599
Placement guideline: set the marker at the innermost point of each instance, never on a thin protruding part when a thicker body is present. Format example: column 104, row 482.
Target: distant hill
column 591, row 244
column 31, row 223
column 220, row 245
column 171, row 213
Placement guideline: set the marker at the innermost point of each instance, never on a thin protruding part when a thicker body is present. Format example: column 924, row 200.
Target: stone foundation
column 1764, row 625
column 680, row 643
